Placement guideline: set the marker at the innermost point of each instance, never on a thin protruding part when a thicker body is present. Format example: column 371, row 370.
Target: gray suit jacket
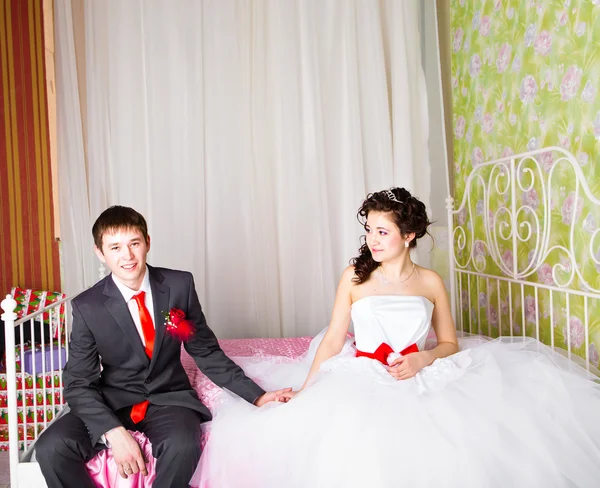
column 104, row 333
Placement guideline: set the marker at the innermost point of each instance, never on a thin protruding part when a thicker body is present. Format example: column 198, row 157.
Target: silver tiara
column 391, row 196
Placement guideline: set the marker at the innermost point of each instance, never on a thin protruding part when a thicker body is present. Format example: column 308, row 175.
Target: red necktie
column 138, row 411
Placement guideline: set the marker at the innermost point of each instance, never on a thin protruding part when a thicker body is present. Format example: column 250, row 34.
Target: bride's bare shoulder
column 430, row 278
column 349, row 273
column 348, row 279
column 349, row 282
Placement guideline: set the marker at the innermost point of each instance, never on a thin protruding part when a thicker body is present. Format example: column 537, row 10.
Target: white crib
column 551, row 291
column 40, row 389
column 23, row 473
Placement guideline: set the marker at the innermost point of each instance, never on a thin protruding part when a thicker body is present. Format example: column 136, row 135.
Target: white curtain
column 441, row 179
column 78, row 264
column 248, row 133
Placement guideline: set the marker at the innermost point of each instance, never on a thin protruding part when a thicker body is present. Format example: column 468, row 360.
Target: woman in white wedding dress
column 379, row 410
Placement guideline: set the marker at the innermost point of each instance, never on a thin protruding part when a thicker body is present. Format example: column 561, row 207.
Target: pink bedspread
column 103, row 469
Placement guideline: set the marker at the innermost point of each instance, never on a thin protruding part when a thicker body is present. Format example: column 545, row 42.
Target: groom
column 124, row 369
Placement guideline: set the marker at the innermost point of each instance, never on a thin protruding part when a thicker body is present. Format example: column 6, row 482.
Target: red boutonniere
column 177, row 325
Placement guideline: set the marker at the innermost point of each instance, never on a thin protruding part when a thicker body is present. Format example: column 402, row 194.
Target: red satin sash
column 384, row 350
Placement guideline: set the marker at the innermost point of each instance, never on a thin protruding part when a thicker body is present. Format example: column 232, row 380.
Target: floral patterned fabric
column 526, row 75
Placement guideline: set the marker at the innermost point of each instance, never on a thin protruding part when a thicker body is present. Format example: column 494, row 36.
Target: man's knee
column 49, row 445
column 182, row 443
column 67, row 437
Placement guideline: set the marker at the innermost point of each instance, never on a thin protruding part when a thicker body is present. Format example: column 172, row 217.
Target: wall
column 28, row 250
column 525, row 75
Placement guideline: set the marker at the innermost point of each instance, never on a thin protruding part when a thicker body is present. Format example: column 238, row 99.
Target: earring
column 406, row 243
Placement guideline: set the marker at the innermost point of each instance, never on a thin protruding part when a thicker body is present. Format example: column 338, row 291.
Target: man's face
column 124, row 252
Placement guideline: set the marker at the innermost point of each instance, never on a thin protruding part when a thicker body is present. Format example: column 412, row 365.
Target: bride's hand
column 291, row 395
column 283, row 395
column 407, row 366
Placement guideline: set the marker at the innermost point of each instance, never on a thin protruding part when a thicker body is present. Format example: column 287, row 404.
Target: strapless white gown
column 499, row 413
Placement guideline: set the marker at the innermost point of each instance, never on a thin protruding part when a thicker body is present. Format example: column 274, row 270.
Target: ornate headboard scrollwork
column 530, row 221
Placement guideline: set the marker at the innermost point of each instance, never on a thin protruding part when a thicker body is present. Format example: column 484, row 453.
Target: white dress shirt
column 128, row 294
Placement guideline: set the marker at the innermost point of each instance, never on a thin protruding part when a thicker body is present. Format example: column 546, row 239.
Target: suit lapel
column 160, row 299
column 118, row 309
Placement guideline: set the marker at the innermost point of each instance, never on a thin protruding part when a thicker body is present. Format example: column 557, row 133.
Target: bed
column 524, row 252
column 524, row 259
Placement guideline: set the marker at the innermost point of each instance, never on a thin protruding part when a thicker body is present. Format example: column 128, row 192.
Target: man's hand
column 126, row 452
column 274, row 396
column 408, row 366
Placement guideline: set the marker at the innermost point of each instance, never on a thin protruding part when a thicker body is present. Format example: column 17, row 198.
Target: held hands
column 126, row 452
column 408, row 366
column 283, row 395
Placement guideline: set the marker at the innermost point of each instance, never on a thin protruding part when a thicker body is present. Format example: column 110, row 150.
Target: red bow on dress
column 384, row 350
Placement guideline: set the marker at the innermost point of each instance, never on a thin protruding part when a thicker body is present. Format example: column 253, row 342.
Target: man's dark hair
column 116, row 218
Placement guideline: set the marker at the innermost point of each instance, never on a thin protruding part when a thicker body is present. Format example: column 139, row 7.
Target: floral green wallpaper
column 526, row 75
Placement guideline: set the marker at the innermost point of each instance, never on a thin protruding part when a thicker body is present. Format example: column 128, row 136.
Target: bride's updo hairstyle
column 407, row 212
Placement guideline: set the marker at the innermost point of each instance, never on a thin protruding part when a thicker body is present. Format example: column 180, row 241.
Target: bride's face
column 383, row 237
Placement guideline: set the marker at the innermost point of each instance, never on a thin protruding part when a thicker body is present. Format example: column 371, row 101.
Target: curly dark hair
column 407, row 212
column 118, row 217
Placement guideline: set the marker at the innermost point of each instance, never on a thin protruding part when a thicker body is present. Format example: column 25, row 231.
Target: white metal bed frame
column 523, row 226
column 511, row 223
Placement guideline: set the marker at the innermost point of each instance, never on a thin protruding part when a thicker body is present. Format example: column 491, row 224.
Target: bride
column 382, row 410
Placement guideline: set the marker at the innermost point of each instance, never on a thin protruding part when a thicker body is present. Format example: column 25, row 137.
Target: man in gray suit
column 124, row 369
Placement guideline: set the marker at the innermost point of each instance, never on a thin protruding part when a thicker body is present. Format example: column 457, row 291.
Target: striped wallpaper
column 28, row 251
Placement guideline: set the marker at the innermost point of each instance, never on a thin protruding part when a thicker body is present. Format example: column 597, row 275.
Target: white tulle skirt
column 500, row 413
